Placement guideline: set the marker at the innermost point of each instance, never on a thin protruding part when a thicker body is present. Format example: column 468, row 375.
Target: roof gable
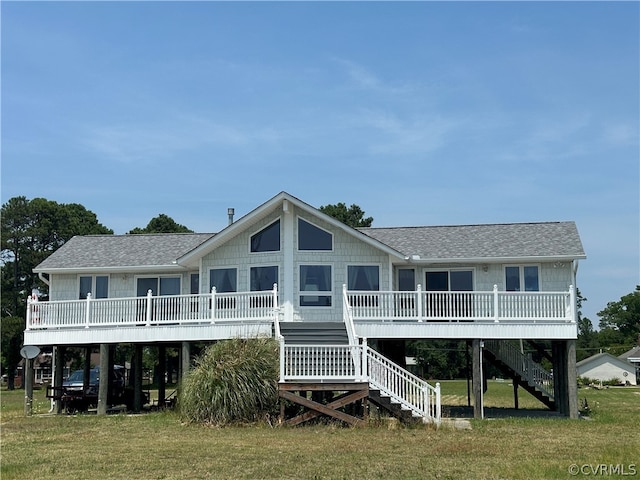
column 602, row 358
column 283, row 201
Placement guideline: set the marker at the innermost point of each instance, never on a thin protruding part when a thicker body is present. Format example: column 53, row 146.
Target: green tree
column 620, row 321
column 352, row 216
column 12, row 328
column 162, row 224
column 31, row 231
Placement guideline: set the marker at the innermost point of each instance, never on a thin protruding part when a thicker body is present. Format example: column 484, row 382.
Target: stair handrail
column 347, row 315
column 534, row 373
column 402, row 386
column 276, row 314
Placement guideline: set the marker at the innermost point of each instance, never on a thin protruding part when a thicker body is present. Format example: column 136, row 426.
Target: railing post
column 572, row 304
column 29, row 302
column 496, row 304
column 365, row 361
column 87, row 313
column 438, row 405
column 149, row 306
column 419, row 302
column 282, row 356
column 213, row 304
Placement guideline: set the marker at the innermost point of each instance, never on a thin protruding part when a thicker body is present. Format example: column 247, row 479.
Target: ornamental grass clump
column 233, row 381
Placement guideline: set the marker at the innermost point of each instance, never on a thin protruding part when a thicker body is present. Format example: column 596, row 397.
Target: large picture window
column 449, row 281
column 519, row 276
column 311, row 237
column 97, row 286
column 448, row 305
column 224, row 279
column 158, row 286
column 315, row 285
column 263, row 278
column 363, row 277
column 267, row 239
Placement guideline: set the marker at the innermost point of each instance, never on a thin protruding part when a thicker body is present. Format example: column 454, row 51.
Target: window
column 445, row 305
column 224, row 279
column 406, row 279
column 311, row 237
column 267, row 239
column 316, row 279
column 97, row 286
column 262, row 278
column 363, row 277
column 194, row 287
column 517, row 276
column 158, row 286
column 449, row 281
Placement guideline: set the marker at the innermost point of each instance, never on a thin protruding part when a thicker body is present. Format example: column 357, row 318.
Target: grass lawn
column 158, row 446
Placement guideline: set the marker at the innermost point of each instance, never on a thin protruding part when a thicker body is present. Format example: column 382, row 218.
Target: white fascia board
column 500, row 260
column 117, row 269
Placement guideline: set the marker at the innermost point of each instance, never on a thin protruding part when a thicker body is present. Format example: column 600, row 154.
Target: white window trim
column 364, row 264
column 259, row 265
column 320, row 293
column 207, row 283
column 93, row 284
column 448, row 269
column 264, row 227
column 167, row 275
column 318, row 227
column 521, row 266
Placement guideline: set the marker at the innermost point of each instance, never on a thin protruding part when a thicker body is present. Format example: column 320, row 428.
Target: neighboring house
column 605, row 367
column 287, row 265
column 633, row 357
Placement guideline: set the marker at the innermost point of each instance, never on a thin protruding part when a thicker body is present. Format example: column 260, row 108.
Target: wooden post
column 103, row 387
column 515, row 393
column 185, row 359
column 478, row 406
column 572, row 380
column 137, row 378
column 162, row 371
column 58, row 360
column 27, row 374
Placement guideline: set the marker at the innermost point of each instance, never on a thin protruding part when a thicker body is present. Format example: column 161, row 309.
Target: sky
column 421, row 113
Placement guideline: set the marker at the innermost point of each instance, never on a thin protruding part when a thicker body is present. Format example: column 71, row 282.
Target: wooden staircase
column 325, row 336
column 522, row 369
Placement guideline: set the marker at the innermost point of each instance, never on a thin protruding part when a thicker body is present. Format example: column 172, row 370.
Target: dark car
column 76, row 397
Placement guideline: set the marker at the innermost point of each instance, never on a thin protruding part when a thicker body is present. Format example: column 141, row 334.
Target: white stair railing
column 403, row 387
column 533, row 373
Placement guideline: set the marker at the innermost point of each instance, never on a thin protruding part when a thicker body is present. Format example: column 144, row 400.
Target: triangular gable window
column 311, row 237
column 267, row 239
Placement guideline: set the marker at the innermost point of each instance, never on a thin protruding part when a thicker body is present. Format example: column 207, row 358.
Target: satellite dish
column 29, row 351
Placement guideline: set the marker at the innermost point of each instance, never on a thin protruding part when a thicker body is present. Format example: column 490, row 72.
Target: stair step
column 314, row 333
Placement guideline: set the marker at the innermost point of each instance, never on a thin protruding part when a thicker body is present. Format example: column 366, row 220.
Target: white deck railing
column 495, row 306
column 359, row 363
column 416, row 306
column 154, row 310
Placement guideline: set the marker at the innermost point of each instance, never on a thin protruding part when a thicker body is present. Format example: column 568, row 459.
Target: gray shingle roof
column 112, row 251
column 549, row 239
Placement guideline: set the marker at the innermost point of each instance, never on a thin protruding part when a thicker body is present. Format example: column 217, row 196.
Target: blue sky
column 422, row 113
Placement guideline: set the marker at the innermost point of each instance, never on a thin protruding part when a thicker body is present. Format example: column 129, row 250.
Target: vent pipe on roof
column 230, row 212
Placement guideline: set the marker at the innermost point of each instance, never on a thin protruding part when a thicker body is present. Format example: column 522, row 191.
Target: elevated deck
column 374, row 314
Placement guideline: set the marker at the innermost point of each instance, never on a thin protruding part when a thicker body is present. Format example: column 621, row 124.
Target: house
column 605, row 368
column 327, row 291
column 633, row 357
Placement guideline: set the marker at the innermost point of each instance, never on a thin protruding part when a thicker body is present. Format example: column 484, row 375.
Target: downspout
column 44, row 280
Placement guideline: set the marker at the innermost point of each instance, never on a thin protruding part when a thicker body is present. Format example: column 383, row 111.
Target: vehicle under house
column 332, row 295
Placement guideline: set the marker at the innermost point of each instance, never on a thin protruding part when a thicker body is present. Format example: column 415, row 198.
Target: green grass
column 159, row 446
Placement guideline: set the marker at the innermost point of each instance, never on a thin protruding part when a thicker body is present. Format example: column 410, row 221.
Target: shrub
column 233, row 381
